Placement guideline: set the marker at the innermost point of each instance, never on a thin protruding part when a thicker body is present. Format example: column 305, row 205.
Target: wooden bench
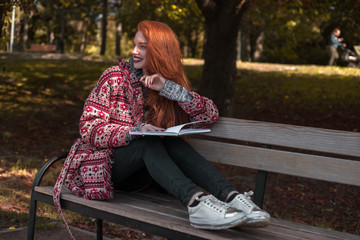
column 321, row 154
column 41, row 48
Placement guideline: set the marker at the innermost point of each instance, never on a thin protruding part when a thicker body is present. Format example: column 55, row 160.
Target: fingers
column 155, row 81
column 147, row 80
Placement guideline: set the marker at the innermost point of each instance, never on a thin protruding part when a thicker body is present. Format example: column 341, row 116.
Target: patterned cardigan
column 112, row 109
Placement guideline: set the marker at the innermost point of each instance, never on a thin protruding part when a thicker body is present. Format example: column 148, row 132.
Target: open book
column 174, row 131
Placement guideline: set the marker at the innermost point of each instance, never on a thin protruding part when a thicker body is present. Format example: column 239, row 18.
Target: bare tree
column 222, row 22
column 104, row 26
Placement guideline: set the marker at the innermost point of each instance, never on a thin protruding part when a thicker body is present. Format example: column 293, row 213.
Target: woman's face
column 139, row 50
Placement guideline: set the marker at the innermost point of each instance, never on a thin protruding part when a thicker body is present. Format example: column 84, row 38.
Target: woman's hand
column 149, row 127
column 154, row 82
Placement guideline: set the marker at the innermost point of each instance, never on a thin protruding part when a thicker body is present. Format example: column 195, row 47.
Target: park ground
column 41, row 99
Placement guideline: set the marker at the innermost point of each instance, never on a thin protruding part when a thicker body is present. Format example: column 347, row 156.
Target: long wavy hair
column 163, row 56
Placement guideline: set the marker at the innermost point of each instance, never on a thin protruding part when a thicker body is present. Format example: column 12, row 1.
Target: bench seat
column 168, row 217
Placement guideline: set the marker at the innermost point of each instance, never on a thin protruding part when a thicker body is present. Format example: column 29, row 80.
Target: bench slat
column 148, row 208
column 315, row 139
column 298, row 164
column 41, row 48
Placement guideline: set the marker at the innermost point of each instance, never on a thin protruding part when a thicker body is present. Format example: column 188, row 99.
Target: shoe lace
column 214, row 203
column 246, row 200
column 248, row 194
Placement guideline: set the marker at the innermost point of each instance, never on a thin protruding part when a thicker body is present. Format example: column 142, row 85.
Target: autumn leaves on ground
column 41, row 101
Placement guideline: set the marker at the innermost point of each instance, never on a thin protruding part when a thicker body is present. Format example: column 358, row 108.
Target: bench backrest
column 322, row 154
column 42, row 48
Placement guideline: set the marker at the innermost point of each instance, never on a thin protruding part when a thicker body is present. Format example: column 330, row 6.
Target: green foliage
column 81, row 20
column 77, row 17
column 182, row 16
column 345, row 15
column 297, row 31
column 272, row 31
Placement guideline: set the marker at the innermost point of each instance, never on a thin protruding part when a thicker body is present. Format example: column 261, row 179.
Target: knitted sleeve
column 175, row 92
column 201, row 108
column 196, row 106
column 95, row 126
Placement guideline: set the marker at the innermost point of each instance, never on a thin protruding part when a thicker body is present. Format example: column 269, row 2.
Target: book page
column 188, row 131
column 173, row 131
column 176, row 129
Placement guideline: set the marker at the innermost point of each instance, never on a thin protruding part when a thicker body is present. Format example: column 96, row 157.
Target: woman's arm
column 95, row 126
column 201, row 108
column 196, row 106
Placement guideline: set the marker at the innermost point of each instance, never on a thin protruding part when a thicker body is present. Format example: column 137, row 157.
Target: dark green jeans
column 173, row 164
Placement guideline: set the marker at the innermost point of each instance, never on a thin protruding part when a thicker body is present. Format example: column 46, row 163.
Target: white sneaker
column 255, row 216
column 214, row 214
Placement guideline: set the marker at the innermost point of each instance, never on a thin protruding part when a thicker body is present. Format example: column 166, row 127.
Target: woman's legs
column 197, row 168
column 150, row 152
column 165, row 172
column 205, row 175
column 207, row 212
column 127, row 161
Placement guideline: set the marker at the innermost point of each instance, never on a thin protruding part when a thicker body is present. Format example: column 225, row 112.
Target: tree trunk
column 2, row 20
column 258, row 47
column 193, row 40
column 83, row 37
column 195, row 43
column 17, row 31
column 238, row 56
column 222, row 21
column 25, row 32
column 5, row 6
column 118, row 39
column 62, row 30
column 104, row 26
column 245, row 46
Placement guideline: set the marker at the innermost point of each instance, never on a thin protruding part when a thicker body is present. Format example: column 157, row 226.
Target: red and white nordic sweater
column 112, row 109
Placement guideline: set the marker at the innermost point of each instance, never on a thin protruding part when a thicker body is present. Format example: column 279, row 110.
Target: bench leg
column 260, row 188
column 99, row 229
column 32, row 218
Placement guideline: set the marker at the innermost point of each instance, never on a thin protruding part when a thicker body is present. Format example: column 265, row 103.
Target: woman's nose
column 134, row 51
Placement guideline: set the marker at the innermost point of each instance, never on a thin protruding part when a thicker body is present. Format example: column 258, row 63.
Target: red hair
column 163, row 56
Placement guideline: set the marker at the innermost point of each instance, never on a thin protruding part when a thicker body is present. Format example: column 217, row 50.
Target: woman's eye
column 140, row 46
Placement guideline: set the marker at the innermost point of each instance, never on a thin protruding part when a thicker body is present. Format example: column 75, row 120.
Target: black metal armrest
column 37, row 181
column 46, row 166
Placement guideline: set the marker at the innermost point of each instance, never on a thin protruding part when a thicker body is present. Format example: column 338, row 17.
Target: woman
column 151, row 93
